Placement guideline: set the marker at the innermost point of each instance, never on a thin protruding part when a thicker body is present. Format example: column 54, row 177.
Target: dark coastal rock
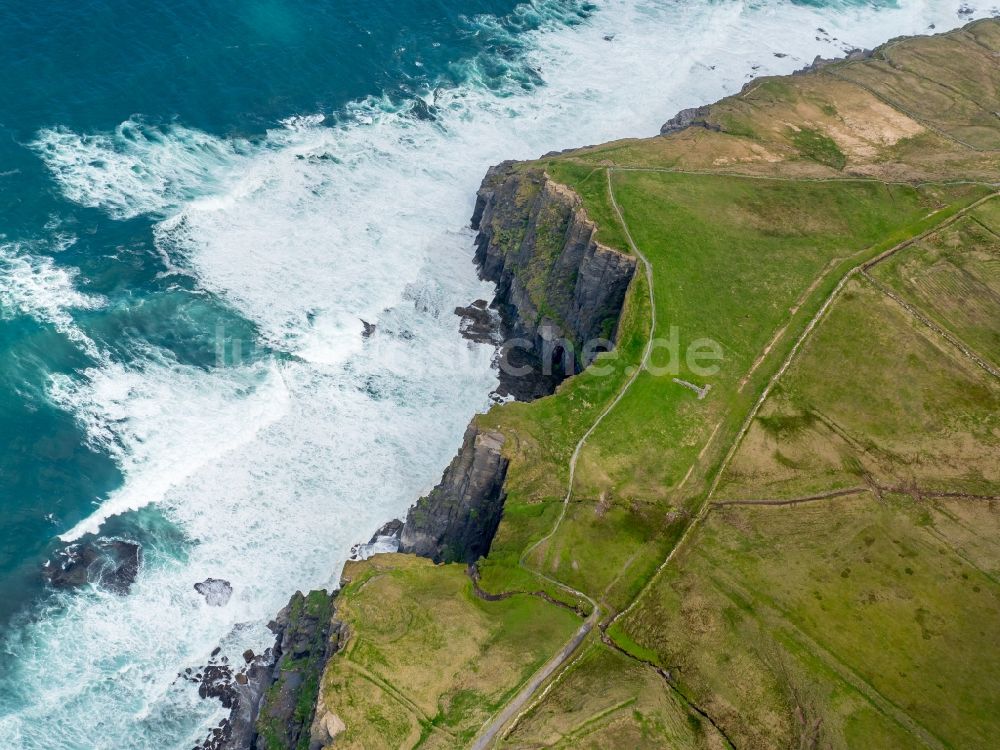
column 217, row 682
column 308, row 636
column 819, row 63
column 265, row 698
column 688, row 118
column 480, row 323
column 240, row 692
column 457, row 520
column 112, row 564
column 215, row 590
column 559, row 291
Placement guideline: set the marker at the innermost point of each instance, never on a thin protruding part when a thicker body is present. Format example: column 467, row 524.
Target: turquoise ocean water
column 199, row 202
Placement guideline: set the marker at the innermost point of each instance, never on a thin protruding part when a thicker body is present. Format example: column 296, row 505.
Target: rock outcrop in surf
column 111, row 564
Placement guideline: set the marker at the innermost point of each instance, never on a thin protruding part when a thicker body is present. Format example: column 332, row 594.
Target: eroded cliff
column 557, row 286
column 560, row 293
column 457, row 520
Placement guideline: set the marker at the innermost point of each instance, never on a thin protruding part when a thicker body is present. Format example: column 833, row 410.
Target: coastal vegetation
column 793, row 545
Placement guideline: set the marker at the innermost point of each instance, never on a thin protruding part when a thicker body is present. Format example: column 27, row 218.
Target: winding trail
column 625, row 386
column 515, row 707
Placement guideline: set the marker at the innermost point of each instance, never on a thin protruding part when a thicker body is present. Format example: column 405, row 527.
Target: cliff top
column 781, row 521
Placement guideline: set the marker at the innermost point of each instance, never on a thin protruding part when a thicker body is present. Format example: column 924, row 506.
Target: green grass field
column 953, row 277
column 646, row 467
column 836, row 239
column 862, row 617
column 430, row 669
column 607, row 701
column 852, row 596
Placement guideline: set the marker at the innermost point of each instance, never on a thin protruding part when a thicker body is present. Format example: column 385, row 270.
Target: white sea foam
column 135, row 170
column 272, row 472
column 32, row 284
column 165, row 422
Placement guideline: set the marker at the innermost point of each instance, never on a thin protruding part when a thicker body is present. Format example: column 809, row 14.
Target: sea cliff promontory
column 792, row 548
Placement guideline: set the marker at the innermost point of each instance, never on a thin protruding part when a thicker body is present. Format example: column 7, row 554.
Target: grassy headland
column 806, row 555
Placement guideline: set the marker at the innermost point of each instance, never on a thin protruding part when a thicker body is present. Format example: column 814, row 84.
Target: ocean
column 199, row 205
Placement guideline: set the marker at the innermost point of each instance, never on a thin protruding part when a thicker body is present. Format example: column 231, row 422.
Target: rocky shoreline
column 558, row 291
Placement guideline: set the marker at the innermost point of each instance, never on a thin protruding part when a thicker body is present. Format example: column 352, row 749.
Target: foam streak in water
column 272, row 473
column 34, row 285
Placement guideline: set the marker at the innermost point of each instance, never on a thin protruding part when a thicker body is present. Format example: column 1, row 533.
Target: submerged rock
column 112, row 564
column 215, row 590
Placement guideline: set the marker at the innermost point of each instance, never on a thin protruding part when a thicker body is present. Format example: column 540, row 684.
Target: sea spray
column 271, row 468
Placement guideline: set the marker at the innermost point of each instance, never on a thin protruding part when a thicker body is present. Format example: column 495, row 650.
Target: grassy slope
column 873, row 590
column 754, row 619
column 430, row 668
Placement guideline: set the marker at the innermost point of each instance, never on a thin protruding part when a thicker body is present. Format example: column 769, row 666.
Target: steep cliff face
column 559, row 291
column 457, row 520
column 307, row 635
column 271, row 699
column 557, row 286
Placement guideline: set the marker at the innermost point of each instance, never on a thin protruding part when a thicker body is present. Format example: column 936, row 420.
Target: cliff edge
column 559, row 290
column 560, row 293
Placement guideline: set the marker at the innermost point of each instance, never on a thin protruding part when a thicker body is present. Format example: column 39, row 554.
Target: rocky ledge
column 689, row 118
column 559, row 290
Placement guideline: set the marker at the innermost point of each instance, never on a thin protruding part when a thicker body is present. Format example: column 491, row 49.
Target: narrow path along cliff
column 636, row 497
column 520, row 701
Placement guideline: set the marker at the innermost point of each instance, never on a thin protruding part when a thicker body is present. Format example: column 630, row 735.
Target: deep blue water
column 226, row 68
column 184, row 176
